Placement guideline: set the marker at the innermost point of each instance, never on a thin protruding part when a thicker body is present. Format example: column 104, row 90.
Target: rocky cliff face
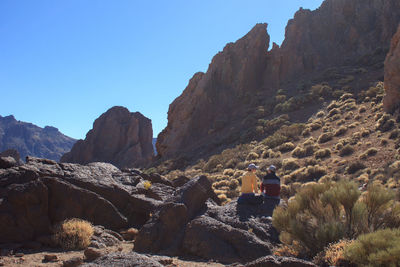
column 118, row 137
column 31, row 140
column 341, row 33
column 392, row 74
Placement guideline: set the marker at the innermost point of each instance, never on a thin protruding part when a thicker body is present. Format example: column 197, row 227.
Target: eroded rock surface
column 392, row 75
column 41, row 193
column 212, row 110
column 119, row 137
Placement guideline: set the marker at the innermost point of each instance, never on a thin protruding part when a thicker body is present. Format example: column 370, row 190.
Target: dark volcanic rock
column 164, row 231
column 31, row 140
column 23, row 211
column 272, row 261
column 211, row 111
column 12, row 153
column 191, row 223
column 119, row 137
column 209, row 238
column 124, row 260
column 41, row 193
column 392, row 75
column 69, row 201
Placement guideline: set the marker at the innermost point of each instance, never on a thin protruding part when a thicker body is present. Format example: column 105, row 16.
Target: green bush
column 323, row 213
column 274, row 140
column 286, row 147
column 381, row 248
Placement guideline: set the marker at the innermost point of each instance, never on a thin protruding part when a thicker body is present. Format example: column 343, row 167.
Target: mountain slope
column 31, row 140
column 342, row 45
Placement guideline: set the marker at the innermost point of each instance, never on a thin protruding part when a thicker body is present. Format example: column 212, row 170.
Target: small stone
column 19, row 254
column 92, row 253
column 73, row 262
column 120, row 249
column 50, row 258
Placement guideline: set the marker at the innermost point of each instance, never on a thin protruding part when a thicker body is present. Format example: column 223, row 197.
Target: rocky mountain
column 118, row 137
column 342, row 45
column 29, row 139
column 392, row 74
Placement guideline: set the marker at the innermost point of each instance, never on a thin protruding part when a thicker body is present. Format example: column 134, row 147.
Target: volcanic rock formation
column 210, row 112
column 392, row 75
column 31, row 140
column 186, row 220
column 118, row 137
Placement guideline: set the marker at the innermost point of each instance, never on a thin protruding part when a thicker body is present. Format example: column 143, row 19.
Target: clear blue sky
column 63, row 63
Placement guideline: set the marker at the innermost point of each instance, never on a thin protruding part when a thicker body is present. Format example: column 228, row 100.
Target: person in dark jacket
column 271, row 184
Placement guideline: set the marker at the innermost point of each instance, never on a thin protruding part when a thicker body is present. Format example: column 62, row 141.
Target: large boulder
column 208, row 238
column 216, row 105
column 23, row 211
column 119, row 137
column 392, row 75
column 163, row 233
column 41, row 193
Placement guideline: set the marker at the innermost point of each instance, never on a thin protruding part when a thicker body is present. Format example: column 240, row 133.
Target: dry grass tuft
column 74, row 234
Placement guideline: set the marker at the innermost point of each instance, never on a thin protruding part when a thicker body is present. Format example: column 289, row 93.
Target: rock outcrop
column 174, row 221
column 31, row 140
column 119, row 137
column 41, row 193
column 191, row 223
column 350, row 36
column 392, row 75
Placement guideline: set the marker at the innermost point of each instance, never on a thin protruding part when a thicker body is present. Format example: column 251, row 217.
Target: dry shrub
column 322, row 153
column 252, row 156
column 320, row 114
column 332, row 105
column 362, row 109
column 333, row 112
column 341, row 131
column 354, row 167
column 228, row 172
column 325, row 137
column 394, row 134
column 369, row 153
column 286, row 147
column 309, row 173
column 310, row 141
column 346, row 150
column 290, row 164
column 306, row 132
column 333, row 255
column 73, row 234
column 385, row 123
column 221, row 183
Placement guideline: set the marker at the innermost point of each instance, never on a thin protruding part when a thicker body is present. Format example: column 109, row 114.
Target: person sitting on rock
column 249, row 186
column 271, row 184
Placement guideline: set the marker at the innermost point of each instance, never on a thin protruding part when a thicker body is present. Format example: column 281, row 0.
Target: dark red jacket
column 271, row 185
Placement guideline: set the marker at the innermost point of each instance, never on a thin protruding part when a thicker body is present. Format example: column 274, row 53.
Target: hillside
column 31, row 140
column 341, row 45
column 350, row 138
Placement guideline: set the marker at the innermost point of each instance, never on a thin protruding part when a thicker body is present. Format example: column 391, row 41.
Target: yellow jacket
column 249, row 183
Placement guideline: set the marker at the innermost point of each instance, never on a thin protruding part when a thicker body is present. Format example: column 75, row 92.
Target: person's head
column 252, row 167
column 272, row 168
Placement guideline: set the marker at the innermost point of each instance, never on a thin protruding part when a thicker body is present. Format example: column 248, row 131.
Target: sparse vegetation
column 73, row 234
column 324, row 213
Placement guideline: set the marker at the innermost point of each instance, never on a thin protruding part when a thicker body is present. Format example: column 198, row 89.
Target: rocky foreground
column 175, row 218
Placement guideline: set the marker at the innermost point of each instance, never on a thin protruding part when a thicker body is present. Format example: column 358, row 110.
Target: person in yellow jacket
column 249, row 186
